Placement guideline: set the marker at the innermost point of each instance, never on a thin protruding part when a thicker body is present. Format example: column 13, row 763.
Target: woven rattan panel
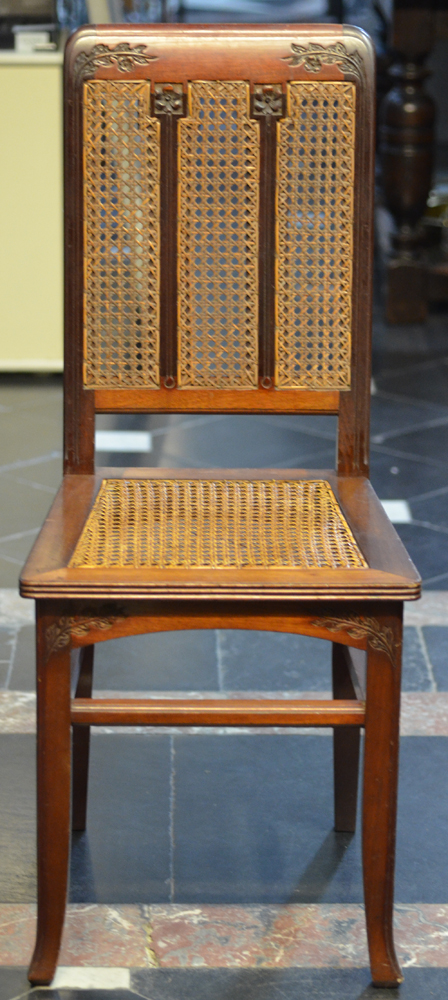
column 314, row 236
column 218, row 238
column 121, row 210
column 216, row 523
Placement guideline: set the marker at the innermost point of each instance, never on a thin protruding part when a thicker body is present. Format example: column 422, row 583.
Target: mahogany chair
column 218, row 258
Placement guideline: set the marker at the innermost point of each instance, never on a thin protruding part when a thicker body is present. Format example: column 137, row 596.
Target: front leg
column 53, row 788
column 380, row 790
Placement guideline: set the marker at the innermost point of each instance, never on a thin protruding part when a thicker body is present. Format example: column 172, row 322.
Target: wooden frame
column 358, row 610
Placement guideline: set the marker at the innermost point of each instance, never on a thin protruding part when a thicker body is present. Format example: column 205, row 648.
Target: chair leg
column 53, row 795
column 346, row 741
column 380, row 793
column 81, row 744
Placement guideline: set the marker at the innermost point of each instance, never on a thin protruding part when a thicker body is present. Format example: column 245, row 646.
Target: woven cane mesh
column 314, row 236
column 218, row 238
column 121, row 211
column 216, row 524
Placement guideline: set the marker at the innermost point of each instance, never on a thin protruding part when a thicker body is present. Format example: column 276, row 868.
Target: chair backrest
column 219, row 188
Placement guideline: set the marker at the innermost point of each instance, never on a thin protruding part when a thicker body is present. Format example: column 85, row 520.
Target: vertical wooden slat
column 267, row 108
column 168, row 106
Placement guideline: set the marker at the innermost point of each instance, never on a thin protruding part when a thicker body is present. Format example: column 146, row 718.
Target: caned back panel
column 217, row 236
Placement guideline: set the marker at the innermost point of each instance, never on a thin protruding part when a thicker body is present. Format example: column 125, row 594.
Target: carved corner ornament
column 314, row 56
column 124, row 56
column 379, row 637
column 58, row 635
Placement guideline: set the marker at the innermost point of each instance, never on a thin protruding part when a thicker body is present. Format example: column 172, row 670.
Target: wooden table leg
column 53, row 794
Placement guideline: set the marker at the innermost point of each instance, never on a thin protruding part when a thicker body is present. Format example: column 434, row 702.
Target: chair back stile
column 217, row 244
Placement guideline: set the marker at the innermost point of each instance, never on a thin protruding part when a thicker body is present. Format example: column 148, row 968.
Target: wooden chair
column 218, row 258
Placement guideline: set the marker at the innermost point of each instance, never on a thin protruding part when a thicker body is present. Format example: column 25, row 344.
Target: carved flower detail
column 58, row 635
column 124, row 56
column 168, row 99
column 268, row 100
column 312, row 57
column 381, row 638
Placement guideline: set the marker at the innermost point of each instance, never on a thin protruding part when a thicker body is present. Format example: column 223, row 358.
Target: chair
column 218, row 258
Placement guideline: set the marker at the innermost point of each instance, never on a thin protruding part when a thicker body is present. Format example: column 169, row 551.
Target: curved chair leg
column 81, row 743
column 346, row 741
column 380, row 793
column 53, row 793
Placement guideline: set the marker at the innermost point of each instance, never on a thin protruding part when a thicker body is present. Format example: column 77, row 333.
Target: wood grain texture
column 218, row 712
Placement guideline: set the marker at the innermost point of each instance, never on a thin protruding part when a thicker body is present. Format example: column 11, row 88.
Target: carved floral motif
column 168, row 99
column 313, row 56
column 124, row 56
column 58, row 635
column 379, row 637
column 268, row 100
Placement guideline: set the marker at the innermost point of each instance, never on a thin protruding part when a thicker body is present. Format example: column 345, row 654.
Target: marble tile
column 101, row 943
column 71, row 977
column 430, row 609
column 424, row 713
column 17, row 712
column 15, row 611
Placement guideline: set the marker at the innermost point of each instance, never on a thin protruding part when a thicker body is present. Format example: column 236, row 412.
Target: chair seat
column 171, row 533
column 202, row 524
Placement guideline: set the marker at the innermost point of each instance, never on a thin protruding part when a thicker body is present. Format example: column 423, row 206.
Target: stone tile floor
column 194, row 879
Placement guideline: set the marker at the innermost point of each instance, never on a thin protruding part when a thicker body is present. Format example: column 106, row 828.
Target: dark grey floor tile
column 124, row 856
column 433, row 510
column 21, row 509
column 10, row 571
column 425, row 381
column 44, row 476
column 17, row 826
column 271, row 661
column 24, row 667
column 236, row 442
column 415, row 675
column 28, row 433
column 430, row 443
column 167, row 661
column 396, row 478
column 253, row 822
column 393, row 414
column 422, row 874
column 7, row 636
column 13, row 983
column 284, row 984
column 428, row 549
column 436, row 639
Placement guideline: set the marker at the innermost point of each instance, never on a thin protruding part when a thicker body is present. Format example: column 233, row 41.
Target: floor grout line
column 172, row 807
column 429, row 667
column 220, row 660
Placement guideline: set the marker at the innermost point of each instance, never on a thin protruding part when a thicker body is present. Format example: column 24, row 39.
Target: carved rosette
column 124, row 56
column 358, row 627
column 268, row 100
column 314, row 56
column 58, row 635
column 168, row 99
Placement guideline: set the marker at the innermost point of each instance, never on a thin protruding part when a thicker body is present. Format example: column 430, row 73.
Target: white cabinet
column 31, row 244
